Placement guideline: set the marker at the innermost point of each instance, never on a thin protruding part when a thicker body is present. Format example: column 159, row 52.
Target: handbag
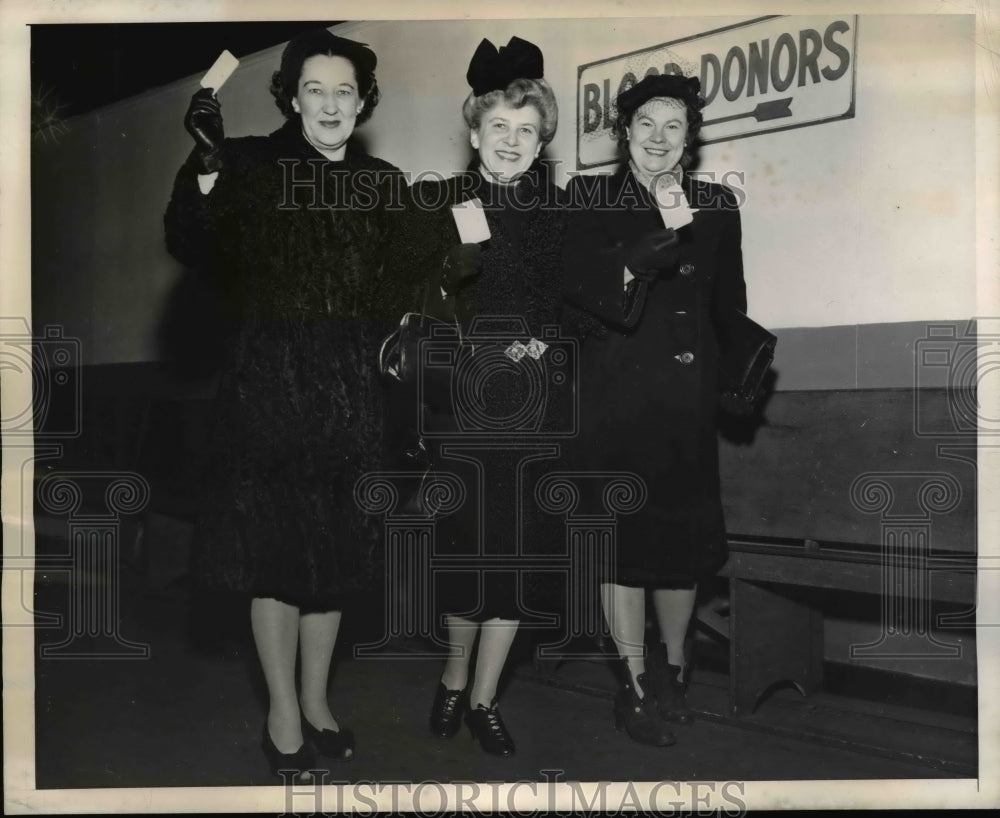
column 420, row 387
column 399, row 355
column 746, row 351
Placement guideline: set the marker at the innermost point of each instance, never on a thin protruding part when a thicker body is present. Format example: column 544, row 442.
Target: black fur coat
column 304, row 252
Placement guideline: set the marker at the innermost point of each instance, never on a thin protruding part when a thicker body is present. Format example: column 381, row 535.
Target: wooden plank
column 816, row 572
column 773, row 638
column 791, row 477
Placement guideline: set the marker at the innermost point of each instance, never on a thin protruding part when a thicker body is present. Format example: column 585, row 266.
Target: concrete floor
column 191, row 714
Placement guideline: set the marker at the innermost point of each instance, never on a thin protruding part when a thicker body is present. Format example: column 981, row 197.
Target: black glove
column 652, row 254
column 461, row 264
column 736, row 403
column 203, row 121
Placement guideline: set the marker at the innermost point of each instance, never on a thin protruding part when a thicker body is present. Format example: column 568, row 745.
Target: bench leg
column 772, row 638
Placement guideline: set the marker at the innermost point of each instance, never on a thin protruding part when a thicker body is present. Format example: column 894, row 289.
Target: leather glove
column 461, row 264
column 652, row 254
column 203, row 121
column 736, row 403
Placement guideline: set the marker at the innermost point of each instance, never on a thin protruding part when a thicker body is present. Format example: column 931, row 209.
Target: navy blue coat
column 649, row 387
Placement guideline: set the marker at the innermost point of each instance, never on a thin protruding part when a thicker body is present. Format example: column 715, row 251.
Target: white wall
column 866, row 220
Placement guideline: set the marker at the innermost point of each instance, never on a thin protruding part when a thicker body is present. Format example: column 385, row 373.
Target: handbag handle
column 425, row 302
column 425, row 317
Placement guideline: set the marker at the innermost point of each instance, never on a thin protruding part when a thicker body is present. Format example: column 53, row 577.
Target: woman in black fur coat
column 497, row 429
column 297, row 225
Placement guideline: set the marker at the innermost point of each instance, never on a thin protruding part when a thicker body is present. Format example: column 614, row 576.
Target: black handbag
column 399, row 355
column 399, row 358
column 420, row 389
column 746, row 351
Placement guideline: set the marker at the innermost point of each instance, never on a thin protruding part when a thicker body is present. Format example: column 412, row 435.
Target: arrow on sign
column 775, row 109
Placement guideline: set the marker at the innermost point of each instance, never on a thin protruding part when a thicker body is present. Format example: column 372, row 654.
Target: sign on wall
column 769, row 74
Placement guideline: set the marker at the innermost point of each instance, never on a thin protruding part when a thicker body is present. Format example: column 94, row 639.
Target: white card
column 470, row 219
column 672, row 203
column 677, row 216
column 220, row 71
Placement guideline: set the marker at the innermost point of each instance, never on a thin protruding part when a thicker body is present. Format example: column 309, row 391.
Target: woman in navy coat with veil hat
column 650, row 387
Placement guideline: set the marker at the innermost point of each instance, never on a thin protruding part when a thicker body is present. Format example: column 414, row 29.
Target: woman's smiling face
column 508, row 140
column 328, row 102
column 657, row 134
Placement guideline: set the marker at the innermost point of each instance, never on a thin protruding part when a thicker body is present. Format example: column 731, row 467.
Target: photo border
column 20, row 794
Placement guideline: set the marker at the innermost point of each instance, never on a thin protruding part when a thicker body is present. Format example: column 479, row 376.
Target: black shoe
column 298, row 766
column 446, row 712
column 639, row 717
column 670, row 691
column 337, row 744
column 488, row 728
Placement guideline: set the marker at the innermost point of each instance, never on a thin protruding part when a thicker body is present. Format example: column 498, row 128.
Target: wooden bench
column 775, row 632
column 841, row 492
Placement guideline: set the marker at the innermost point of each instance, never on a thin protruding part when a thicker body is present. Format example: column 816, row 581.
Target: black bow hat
column 492, row 70
column 687, row 89
column 321, row 41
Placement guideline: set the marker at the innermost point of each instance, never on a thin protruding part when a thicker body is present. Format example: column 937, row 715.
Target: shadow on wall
column 191, row 334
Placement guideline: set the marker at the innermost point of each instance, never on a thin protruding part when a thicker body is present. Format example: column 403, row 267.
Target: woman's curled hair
column 537, row 93
column 285, row 81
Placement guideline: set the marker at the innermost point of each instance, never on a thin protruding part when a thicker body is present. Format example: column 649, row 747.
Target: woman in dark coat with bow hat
column 650, row 387
column 297, row 226
column 496, row 432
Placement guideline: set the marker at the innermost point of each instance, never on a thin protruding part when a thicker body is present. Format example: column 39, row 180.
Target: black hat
column 492, row 70
column 687, row 89
column 321, row 41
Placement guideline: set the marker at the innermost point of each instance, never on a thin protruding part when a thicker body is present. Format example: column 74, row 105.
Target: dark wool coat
column 504, row 424
column 649, row 389
column 310, row 285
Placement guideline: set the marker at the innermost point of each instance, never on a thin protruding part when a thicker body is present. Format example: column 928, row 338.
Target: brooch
column 533, row 349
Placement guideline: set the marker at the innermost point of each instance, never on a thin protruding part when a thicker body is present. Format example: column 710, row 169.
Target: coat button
column 686, row 269
column 685, row 357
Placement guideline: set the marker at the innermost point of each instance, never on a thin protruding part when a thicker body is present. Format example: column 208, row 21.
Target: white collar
column 647, row 180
